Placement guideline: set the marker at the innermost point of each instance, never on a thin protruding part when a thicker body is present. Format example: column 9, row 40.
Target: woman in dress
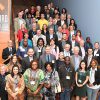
column 15, row 84
column 81, row 79
column 50, row 81
column 33, row 77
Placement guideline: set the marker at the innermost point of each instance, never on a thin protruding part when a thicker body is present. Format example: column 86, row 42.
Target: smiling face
column 15, row 70
column 34, row 65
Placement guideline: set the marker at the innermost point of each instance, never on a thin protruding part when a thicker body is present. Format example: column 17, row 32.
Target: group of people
column 50, row 59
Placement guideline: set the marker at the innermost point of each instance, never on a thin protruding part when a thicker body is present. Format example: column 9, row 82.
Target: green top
column 33, row 78
column 82, row 76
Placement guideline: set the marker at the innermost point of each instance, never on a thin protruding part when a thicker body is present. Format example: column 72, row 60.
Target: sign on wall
column 4, row 23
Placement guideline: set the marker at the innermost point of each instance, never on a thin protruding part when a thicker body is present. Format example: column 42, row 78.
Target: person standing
column 81, row 78
column 67, row 79
column 15, row 84
column 3, row 92
column 93, row 85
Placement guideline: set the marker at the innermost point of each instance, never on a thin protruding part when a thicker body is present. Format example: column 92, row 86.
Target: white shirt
column 66, row 53
column 30, row 58
column 89, row 60
column 92, row 79
column 71, row 33
column 62, row 22
column 20, row 22
column 95, row 51
column 83, row 52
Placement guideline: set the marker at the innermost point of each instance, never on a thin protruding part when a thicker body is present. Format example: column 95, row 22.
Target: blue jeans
column 65, row 95
column 92, row 93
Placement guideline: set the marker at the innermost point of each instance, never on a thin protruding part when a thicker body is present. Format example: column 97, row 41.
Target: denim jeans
column 92, row 93
column 65, row 95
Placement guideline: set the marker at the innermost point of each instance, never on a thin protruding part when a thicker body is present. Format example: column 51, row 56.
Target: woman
column 94, row 80
column 65, row 29
column 81, row 79
column 64, row 12
column 14, row 61
column 51, row 80
column 21, row 33
column 15, row 84
column 44, row 29
column 33, row 77
column 54, row 48
column 39, row 49
column 78, row 36
column 72, row 22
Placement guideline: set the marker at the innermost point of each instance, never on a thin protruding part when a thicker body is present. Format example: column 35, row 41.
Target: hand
column 47, row 85
column 28, row 91
column 79, row 85
column 9, row 56
column 90, row 85
column 14, row 95
column 62, row 89
column 35, row 92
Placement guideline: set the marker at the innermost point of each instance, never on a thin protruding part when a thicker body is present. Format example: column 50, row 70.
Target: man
column 89, row 57
column 18, row 21
column 67, row 50
column 67, row 79
column 76, row 58
column 42, row 21
column 46, row 57
column 96, row 52
column 62, row 21
column 3, row 92
column 37, row 36
column 26, row 61
column 82, row 49
column 51, row 35
column 8, row 52
column 22, row 50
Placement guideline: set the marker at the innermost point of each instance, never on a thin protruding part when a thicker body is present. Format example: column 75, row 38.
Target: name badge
column 32, row 82
column 97, row 54
column 25, row 55
column 39, row 50
column 53, row 61
column 68, row 77
column 16, row 89
column 80, row 81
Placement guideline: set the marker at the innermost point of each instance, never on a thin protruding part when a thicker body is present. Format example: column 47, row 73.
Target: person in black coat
column 51, row 35
column 3, row 92
column 8, row 52
column 26, row 61
column 62, row 21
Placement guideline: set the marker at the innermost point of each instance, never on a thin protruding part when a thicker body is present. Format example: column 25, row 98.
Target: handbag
column 58, row 88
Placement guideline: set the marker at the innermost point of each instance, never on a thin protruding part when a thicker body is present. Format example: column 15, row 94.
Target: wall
column 87, row 16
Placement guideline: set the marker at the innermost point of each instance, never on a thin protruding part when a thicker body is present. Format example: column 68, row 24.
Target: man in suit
column 26, row 61
column 46, row 57
column 8, row 52
column 62, row 21
column 89, row 57
column 76, row 58
column 51, row 35
column 96, row 52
